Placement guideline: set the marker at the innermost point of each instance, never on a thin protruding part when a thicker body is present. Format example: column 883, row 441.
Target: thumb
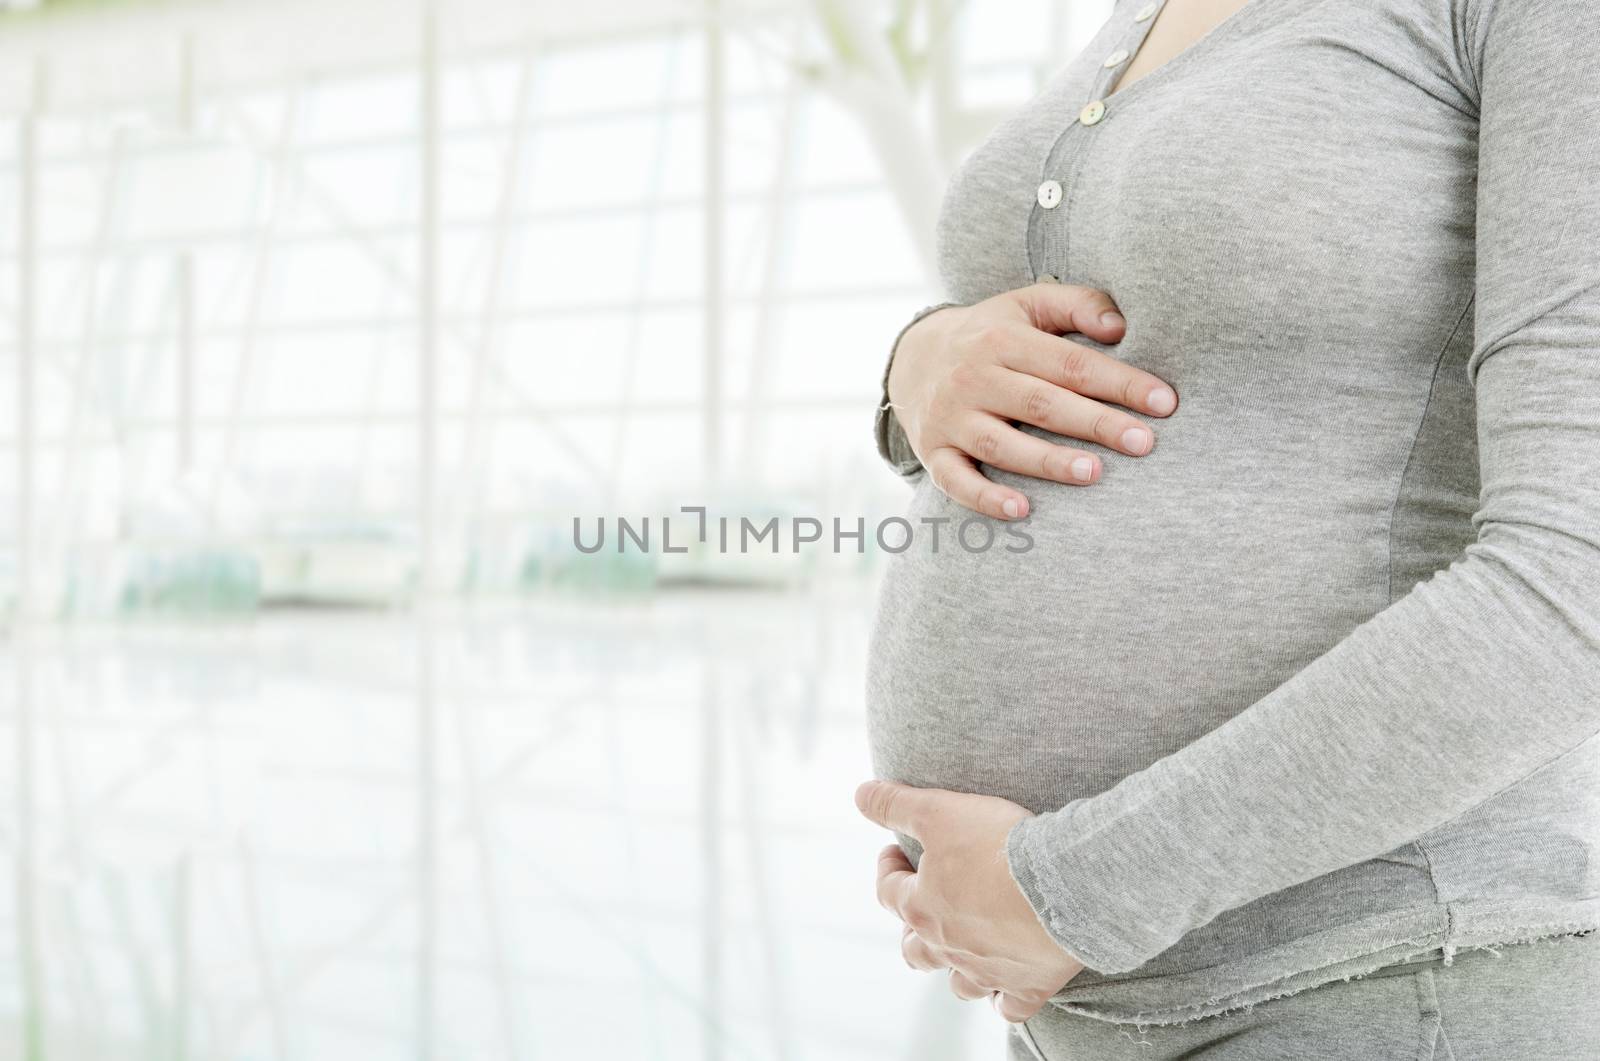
column 1062, row 309
column 895, row 806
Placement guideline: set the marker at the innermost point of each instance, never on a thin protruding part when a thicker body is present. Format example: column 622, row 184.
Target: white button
column 1047, row 278
column 1144, row 13
column 1050, row 195
column 1116, row 58
column 1092, row 114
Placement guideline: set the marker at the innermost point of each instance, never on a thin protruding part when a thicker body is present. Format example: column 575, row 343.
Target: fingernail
column 1136, row 440
column 1162, row 401
column 1082, row 469
column 1112, row 319
column 1011, row 508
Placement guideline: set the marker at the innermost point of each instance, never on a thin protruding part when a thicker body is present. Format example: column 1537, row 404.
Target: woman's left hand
column 961, row 908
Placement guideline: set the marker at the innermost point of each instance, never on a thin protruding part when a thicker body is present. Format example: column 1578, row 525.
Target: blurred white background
column 321, row 323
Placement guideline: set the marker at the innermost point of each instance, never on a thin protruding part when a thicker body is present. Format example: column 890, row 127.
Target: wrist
column 893, row 445
column 1029, row 874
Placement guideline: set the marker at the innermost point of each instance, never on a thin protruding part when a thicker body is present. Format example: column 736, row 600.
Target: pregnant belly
column 1133, row 626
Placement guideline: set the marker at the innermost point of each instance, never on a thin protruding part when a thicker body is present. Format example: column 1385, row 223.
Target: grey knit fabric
column 1529, row 1002
column 1313, row 687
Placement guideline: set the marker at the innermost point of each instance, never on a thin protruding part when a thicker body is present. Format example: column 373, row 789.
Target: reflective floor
column 571, row 830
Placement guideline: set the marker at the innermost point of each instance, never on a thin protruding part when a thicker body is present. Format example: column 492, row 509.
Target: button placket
column 1094, row 112
column 1142, row 23
column 1051, row 191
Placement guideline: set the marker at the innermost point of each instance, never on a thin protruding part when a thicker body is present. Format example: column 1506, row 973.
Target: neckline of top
column 1114, row 95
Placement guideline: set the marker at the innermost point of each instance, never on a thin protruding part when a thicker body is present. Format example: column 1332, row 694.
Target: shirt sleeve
column 893, row 446
column 1479, row 676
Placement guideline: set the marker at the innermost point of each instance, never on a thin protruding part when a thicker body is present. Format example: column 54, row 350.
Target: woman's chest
column 1307, row 167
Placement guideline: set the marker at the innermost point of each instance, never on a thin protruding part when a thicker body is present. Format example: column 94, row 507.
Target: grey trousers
column 1536, row 1001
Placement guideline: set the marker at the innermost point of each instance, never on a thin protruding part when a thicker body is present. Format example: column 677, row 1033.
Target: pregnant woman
column 1279, row 323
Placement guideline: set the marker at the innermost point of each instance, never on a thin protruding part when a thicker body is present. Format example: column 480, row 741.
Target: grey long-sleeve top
column 1315, row 686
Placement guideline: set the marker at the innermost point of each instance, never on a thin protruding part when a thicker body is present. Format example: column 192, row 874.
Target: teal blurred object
column 553, row 564
column 204, row 582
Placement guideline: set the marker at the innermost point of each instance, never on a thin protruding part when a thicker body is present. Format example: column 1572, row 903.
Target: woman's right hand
column 962, row 375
